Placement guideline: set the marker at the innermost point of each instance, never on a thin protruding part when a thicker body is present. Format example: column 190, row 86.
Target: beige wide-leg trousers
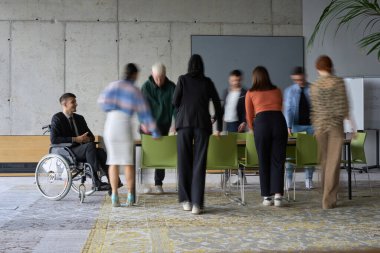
column 330, row 152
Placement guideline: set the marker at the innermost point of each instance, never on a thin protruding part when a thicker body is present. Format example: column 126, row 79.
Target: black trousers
column 159, row 174
column 88, row 152
column 271, row 138
column 192, row 164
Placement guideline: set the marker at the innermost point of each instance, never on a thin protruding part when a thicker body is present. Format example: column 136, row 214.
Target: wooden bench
column 26, row 148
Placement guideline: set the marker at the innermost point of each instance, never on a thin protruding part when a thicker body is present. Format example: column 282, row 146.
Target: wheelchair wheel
column 53, row 177
column 89, row 183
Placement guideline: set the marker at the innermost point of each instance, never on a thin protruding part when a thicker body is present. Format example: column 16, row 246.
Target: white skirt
column 118, row 138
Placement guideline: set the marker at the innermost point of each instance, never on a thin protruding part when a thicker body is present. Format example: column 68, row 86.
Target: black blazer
column 240, row 105
column 191, row 97
column 60, row 130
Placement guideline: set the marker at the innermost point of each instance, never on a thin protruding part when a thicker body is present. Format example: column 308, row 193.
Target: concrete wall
column 348, row 59
column 48, row 47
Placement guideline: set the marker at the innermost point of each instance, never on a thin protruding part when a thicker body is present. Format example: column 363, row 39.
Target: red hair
column 324, row 63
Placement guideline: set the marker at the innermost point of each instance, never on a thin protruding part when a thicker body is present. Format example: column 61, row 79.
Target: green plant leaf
column 346, row 12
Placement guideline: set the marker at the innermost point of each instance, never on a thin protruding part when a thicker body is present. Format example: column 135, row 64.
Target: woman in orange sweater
column 263, row 103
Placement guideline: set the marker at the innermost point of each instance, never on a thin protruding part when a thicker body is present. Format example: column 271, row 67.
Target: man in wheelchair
column 69, row 127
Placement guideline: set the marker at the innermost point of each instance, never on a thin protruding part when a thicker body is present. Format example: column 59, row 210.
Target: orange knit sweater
column 261, row 101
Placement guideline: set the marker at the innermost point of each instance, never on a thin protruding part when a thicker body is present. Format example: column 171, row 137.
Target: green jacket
column 160, row 102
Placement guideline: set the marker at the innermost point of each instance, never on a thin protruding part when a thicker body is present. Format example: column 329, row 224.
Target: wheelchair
column 59, row 171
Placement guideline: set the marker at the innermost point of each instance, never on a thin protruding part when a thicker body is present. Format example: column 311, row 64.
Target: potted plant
column 348, row 11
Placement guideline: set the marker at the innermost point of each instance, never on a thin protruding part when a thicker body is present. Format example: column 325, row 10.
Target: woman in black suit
column 193, row 124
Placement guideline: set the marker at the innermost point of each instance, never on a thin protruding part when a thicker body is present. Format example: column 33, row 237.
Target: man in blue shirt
column 297, row 114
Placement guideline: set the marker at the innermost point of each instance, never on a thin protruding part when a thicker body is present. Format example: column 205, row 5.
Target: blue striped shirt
column 124, row 96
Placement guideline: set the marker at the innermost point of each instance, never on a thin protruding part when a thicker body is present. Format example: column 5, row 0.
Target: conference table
column 291, row 142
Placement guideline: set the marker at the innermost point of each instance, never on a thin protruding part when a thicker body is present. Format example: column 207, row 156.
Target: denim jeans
column 290, row 167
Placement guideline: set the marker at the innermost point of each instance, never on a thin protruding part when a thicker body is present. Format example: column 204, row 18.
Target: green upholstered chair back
column 161, row 153
column 222, row 152
column 306, row 150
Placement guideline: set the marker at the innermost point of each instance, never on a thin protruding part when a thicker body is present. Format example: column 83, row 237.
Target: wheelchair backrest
column 64, row 152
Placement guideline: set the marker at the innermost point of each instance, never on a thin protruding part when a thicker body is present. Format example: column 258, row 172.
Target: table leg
column 377, row 165
column 349, row 170
column 135, row 165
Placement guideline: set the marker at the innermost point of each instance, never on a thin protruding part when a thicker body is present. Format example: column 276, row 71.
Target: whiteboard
column 355, row 93
column 372, row 102
column 222, row 54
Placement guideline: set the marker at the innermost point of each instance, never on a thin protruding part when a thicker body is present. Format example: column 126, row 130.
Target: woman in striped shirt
column 121, row 99
column 329, row 109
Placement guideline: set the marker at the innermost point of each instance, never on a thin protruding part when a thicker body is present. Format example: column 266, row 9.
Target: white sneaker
column 233, row 179
column 196, row 210
column 147, row 189
column 238, row 182
column 309, row 184
column 186, row 206
column 158, row 189
column 267, row 201
column 278, row 201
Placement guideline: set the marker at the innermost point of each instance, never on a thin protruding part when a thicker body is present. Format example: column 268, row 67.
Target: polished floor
column 31, row 223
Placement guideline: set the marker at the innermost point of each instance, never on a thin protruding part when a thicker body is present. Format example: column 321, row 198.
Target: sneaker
column 158, row 189
column 147, row 189
column 267, row 201
column 278, row 201
column 309, row 184
column 186, row 206
column 233, row 180
column 238, row 182
column 196, row 210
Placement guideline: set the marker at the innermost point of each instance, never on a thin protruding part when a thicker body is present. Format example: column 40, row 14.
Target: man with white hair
column 158, row 91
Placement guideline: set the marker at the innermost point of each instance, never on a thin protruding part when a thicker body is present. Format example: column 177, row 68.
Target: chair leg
column 286, row 188
column 294, row 184
column 242, row 188
column 139, row 179
column 176, row 177
column 369, row 180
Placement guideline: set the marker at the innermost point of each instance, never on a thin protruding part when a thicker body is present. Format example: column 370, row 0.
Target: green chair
column 291, row 150
column 358, row 155
column 160, row 153
column 306, row 154
column 222, row 156
column 251, row 162
column 291, row 158
column 241, row 152
column 241, row 149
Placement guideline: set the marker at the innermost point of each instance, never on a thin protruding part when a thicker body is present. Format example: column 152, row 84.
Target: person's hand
column 144, row 129
column 289, row 131
column 84, row 138
column 172, row 131
column 241, row 127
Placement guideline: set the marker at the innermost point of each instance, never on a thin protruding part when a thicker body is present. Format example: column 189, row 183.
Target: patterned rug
column 158, row 224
